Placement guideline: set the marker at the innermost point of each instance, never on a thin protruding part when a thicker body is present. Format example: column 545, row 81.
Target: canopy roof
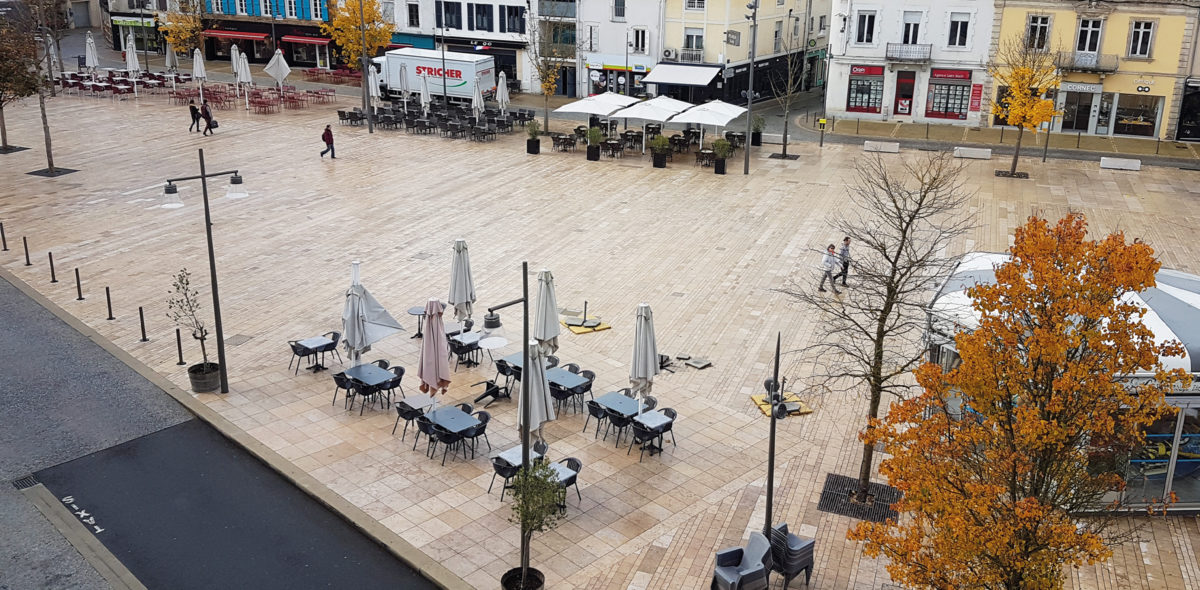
column 659, row 108
column 681, row 75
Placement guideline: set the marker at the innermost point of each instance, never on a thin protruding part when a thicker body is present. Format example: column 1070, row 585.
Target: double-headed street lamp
column 236, row 191
column 778, row 412
column 753, row 18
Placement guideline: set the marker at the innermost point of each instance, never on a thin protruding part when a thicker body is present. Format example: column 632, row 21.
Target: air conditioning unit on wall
column 670, row 53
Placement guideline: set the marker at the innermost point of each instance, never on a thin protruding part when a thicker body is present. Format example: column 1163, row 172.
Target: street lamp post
column 445, row 92
column 778, row 411
column 235, row 179
column 274, row 43
column 366, row 63
column 753, row 18
column 145, row 40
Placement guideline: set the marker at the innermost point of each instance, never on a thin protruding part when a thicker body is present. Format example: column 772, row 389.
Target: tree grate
column 835, row 498
column 26, row 482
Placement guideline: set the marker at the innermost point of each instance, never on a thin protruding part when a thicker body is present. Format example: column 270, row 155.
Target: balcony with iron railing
column 691, row 56
column 910, row 52
column 1081, row 61
column 555, row 9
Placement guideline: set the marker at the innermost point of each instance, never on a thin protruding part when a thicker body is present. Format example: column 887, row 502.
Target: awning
column 235, row 35
column 681, row 75
column 132, row 22
column 398, row 45
column 308, row 40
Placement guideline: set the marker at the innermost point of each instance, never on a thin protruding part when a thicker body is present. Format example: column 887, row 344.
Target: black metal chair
column 382, row 364
column 366, row 392
column 572, row 367
column 449, row 440
column 641, row 436
column 586, row 388
column 394, row 383
column 425, row 426
column 562, row 396
column 669, row 426
column 618, row 421
column 503, row 469
column 299, row 353
column 649, row 403
column 574, row 465
column 492, row 391
column 541, row 448
column 409, row 415
column 597, row 411
column 465, row 407
column 340, row 382
column 472, row 434
column 791, row 555
column 331, row 347
column 551, row 361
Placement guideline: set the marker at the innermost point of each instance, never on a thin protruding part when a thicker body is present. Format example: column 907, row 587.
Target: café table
column 453, row 419
column 420, row 313
column 513, row 455
column 370, row 375
column 315, row 344
column 564, row 378
column 619, row 403
column 516, row 360
column 417, row 401
column 653, row 420
column 492, row 343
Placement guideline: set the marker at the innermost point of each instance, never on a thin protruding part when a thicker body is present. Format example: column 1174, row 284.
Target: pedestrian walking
column 829, row 264
column 206, row 114
column 844, row 254
column 195, row 116
column 327, row 137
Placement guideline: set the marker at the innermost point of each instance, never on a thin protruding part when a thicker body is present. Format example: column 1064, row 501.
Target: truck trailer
column 460, row 72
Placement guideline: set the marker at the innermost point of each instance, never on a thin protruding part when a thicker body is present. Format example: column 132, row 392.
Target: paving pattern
column 707, row 252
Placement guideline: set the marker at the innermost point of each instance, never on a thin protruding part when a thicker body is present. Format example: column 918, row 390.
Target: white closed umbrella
column 502, row 92
column 404, row 89
column 541, row 403
column 425, row 94
column 278, row 69
column 364, row 320
column 198, row 71
column 477, row 104
column 171, row 61
column 372, row 87
column 645, row 353
column 131, row 60
column 235, row 61
column 462, row 286
column 546, row 328
column 244, row 76
column 91, row 59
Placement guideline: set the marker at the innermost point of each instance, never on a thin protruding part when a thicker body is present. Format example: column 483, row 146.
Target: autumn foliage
column 343, row 28
column 184, row 28
column 995, row 498
column 1028, row 74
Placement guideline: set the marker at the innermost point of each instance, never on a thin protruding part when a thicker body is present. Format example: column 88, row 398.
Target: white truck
column 460, row 72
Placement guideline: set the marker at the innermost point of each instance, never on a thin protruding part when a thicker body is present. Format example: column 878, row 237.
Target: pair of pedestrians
column 202, row 113
column 831, row 262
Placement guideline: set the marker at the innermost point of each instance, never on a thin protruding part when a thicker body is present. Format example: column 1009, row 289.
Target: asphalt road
column 176, row 502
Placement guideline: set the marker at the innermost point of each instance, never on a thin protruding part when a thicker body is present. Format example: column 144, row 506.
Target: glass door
column 1104, row 115
column 904, row 92
column 323, row 56
column 1077, row 111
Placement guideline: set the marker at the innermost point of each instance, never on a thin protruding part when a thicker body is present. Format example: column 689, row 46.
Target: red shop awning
column 308, row 40
column 235, row 35
column 398, row 45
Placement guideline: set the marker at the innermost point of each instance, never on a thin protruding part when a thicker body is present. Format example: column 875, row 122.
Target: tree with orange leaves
column 1029, row 74
column 1006, row 496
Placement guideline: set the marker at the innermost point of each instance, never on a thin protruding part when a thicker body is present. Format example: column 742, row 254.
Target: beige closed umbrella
column 645, row 353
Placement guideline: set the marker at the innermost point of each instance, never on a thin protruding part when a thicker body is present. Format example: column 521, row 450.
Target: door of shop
column 1077, row 111
column 905, row 81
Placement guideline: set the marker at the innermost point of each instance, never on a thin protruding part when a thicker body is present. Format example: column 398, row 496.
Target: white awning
column 681, row 75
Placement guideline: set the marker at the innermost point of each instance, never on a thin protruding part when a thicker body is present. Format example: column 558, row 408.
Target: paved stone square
column 707, row 252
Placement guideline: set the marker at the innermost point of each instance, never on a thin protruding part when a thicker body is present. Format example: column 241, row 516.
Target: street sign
column 821, row 124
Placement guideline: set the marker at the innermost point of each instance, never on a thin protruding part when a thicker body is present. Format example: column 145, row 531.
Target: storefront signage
column 866, row 70
column 1081, row 87
column 950, row 74
column 428, row 71
column 595, row 76
column 976, row 97
column 1143, row 89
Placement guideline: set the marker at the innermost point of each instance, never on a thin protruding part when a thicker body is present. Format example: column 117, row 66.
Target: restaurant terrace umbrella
column 601, row 105
column 198, row 71
column 645, row 352
column 131, row 60
column 541, row 403
column 546, row 328
column 91, row 59
column 278, row 69
column 372, row 88
column 477, row 104
column 235, row 61
column 364, row 320
column 502, row 92
column 462, row 287
column 659, row 108
column 404, row 87
column 244, row 76
column 433, row 368
column 425, row 94
column 170, row 61
column 715, row 113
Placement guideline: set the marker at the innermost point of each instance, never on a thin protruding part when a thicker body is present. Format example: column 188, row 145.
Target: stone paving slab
column 706, row 251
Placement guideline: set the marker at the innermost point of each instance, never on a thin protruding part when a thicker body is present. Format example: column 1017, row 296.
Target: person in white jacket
column 829, row 264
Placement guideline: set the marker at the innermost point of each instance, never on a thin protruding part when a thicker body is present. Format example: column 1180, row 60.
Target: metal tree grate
column 835, row 498
column 26, row 482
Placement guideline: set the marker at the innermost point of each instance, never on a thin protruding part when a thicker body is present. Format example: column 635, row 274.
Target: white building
column 917, row 60
column 620, row 43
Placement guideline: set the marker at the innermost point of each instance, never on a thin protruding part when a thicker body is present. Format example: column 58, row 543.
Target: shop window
column 865, row 31
column 1136, row 115
column 948, row 101
column 959, row 23
column 1037, row 36
column 512, row 19
column 639, row 41
column 912, row 27
column 1141, row 38
column 865, row 96
column 693, row 38
column 304, row 52
column 1185, row 482
column 414, row 15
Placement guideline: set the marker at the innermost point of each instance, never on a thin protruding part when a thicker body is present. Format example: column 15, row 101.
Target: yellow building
column 1123, row 63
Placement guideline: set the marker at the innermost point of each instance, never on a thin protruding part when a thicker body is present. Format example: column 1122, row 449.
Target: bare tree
column 52, row 21
column 18, row 73
column 552, row 46
column 900, row 226
column 787, row 84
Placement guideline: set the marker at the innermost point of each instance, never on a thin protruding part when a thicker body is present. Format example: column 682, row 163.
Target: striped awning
column 307, row 40
column 235, row 35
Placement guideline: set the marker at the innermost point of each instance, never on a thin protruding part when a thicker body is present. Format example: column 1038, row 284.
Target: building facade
column 1124, row 64
column 918, row 61
column 621, row 42
column 258, row 27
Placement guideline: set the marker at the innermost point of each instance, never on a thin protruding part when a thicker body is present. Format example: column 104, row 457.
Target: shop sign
column 950, row 74
column 976, row 98
column 639, row 67
column 595, row 76
column 866, row 70
column 1085, row 87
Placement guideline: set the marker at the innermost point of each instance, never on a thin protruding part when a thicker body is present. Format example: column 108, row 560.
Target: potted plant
column 757, row 124
column 594, row 136
column 533, row 145
column 183, row 307
column 660, row 147
column 536, row 498
column 721, row 150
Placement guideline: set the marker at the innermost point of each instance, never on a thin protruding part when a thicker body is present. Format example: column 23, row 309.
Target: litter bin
column 82, row 61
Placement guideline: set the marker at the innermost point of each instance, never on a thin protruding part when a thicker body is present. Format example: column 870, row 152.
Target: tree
column 183, row 307
column 18, row 71
column 900, row 226
column 184, row 28
column 1028, row 73
column 536, row 497
column 346, row 25
column 552, row 47
column 787, row 84
column 1000, row 499
column 52, row 21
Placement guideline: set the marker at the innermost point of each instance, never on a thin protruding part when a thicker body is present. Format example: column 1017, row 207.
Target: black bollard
column 53, row 279
column 3, row 240
column 1157, row 143
column 1001, row 135
column 78, row 286
column 927, row 131
column 179, row 345
column 108, row 298
column 857, row 125
column 142, row 320
column 25, row 242
column 1078, row 136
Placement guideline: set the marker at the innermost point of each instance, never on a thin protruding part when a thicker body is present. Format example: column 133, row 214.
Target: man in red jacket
column 327, row 137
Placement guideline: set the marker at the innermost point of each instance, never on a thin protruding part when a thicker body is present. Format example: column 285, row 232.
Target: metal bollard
column 179, row 345
column 1001, row 135
column 1078, row 136
column 142, row 321
column 25, row 242
column 927, row 131
column 857, row 125
column 108, row 298
column 53, row 279
column 78, row 286
column 3, row 240
column 1157, row 144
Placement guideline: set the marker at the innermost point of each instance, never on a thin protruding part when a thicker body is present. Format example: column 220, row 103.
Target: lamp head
column 235, row 190
column 171, row 194
column 170, row 189
column 491, row 321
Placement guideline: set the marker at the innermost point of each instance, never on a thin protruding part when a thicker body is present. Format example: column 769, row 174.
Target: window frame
column 1049, row 22
column 1079, row 35
column 411, row 13
column 694, row 5
column 620, row 18
column 904, row 37
column 963, row 31
column 871, row 17
column 645, row 46
column 687, row 38
column 778, row 45
column 315, row 8
column 290, row 8
column 267, row 8
column 1152, row 33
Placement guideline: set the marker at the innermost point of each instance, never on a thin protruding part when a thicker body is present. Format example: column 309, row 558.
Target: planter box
column 973, row 153
column 1120, row 164
column 756, row 138
column 887, row 147
column 593, row 153
column 660, row 160
column 533, row 146
column 719, row 166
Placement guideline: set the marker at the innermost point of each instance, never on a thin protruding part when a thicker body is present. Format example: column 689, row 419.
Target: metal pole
column 108, row 299
column 445, row 95
column 212, row 267
column 53, row 279
column 366, row 80
column 78, row 286
column 145, row 41
column 773, row 386
column 142, row 321
column 525, row 397
column 3, row 239
column 25, row 242
column 1046, row 146
column 750, row 88
column 179, row 346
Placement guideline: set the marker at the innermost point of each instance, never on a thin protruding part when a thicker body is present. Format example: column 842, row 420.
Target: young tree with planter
column 757, row 124
column 660, row 148
column 721, row 151
column 184, row 309
column 533, row 145
column 594, row 137
column 537, row 500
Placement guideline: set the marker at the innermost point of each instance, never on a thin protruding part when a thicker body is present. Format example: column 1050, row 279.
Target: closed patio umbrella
column 433, row 368
column 546, row 328
column 91, row 59
column 462, row 286
column 278, row 69
column 645, row 352
column 364, row 320
column 425, row 94
column 502, row 92
column 477, row 104
column 541, row 403
column 198, row 71
column 236, row 62
column 244, row 76
column 131, row 60
column 171, row 61
column 372, row 85
column 404, row 88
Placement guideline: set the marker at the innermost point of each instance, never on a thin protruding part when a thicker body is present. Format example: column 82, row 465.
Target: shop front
column 865, row 93
column 949, row 95
column 145, row 35
column 304, row 50
column 505, row 53
column 610, row 73
column 1119, row 105
column 1189, row 112
column 302, row 46
column 218, row 44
